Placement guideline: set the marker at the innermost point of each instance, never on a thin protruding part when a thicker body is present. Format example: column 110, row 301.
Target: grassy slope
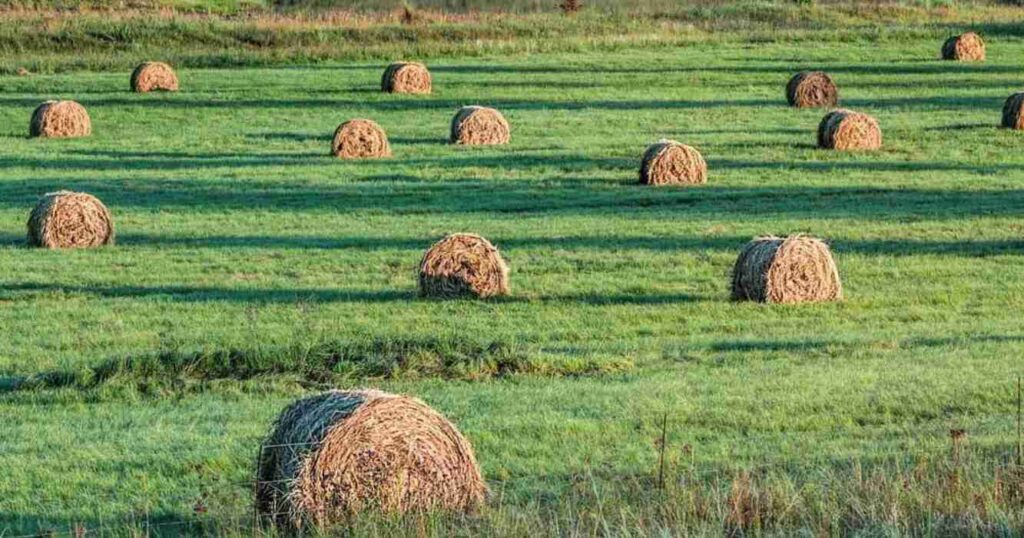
column 236, row 231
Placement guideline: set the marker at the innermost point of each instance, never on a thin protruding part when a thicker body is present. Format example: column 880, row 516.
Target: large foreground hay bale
column 668, row 162
column 1013, row 111
column 792, row 270
column 968, row 47
column 848, row 130
column 150, row 76
column 477, row 125
column 335, row 454
column 57, row 119
column 66, row 219
column 463, row 265
column 360, row 139
column 812, row 89
column 406, row 77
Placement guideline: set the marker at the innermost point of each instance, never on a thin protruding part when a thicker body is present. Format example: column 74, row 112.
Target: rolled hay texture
column 360, row 139
column 150, row 76
column 463, row 265
column 60, row 119
column 1013, row 118
column 333, row 455
column 406, row 77
column 848, row 130
column 793, row 270
column 812, row 89
column 477, row 126
column 668, row 162
column 68, row 219
column 968, row 47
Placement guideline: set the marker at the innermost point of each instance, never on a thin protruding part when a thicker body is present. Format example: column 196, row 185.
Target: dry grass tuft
column 668, row 162
column 462, row 265
column 60, row 119
column 68, row 219
column 793, row 270
column 360, row 139
column 967, row 47
column 812, row 89
column 406, row 77
column 151, row 76
column 847, row 130
column 477, row 125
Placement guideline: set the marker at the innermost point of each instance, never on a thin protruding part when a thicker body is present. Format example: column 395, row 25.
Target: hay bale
column 336, row 454
column 477, row 125
column 59, row 119
column 150, row 76
column 968, row 47
column 848, row 130
column 1013, row 118
column 406, row 77
column 66, row 219
column 668, row 162
column 793, row 270
column 461, row 265
column 812, row 89
column 360, row 139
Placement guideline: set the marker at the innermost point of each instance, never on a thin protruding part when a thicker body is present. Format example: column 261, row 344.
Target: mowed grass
column 238, row 235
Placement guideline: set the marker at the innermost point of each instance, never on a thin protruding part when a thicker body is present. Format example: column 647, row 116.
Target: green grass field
column 137, row 379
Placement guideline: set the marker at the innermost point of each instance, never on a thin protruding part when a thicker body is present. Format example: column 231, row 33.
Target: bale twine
column 848, row 130
column 477, row 125
column 792, row 270
column 1012, row 111
column 968, row 47
column 360, row 139
column 668, row 162
column 812, row 89
column 406, row 77
column 66, row 219
column 462, row 265
column 150, row 76
column 56, row 119
column 336, row 454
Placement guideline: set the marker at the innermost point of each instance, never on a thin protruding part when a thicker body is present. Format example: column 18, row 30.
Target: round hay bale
column 463, row 265
column 66, row 219
column 333, row 455
column 360, row 139
column 59, row 119
column 812, row 89
column 406, row 77
column 477, row 126
column 150, row 76
column 968, row 47
column 793, row 270
column 848, row 130
column 668, row 162
column 1013, row 118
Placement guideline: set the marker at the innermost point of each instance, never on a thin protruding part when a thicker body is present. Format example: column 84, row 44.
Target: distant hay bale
column 968, row 47
column 668, row 162
column 66, row 219
column 60, row 119
column 792, row 270
column 1013, row 111
column 150, row 76
column 848, row 130
column 336, row 454
column 477, row 125
column 360, row 139
column 406, row 77
column 462, row 265
column 812, row 89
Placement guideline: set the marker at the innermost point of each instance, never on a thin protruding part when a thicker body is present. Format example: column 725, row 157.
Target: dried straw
column 150, row 76
column 668, row 162
column 360, row 139
column 68, row 219
column 848, row 130
column 1012, row 111
column 336, row 454
column 968, row 47
column 463, row 265
column 477, row 125
column 406, row 77
column 812, row 89
column 792, row 270
column 56, row 119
